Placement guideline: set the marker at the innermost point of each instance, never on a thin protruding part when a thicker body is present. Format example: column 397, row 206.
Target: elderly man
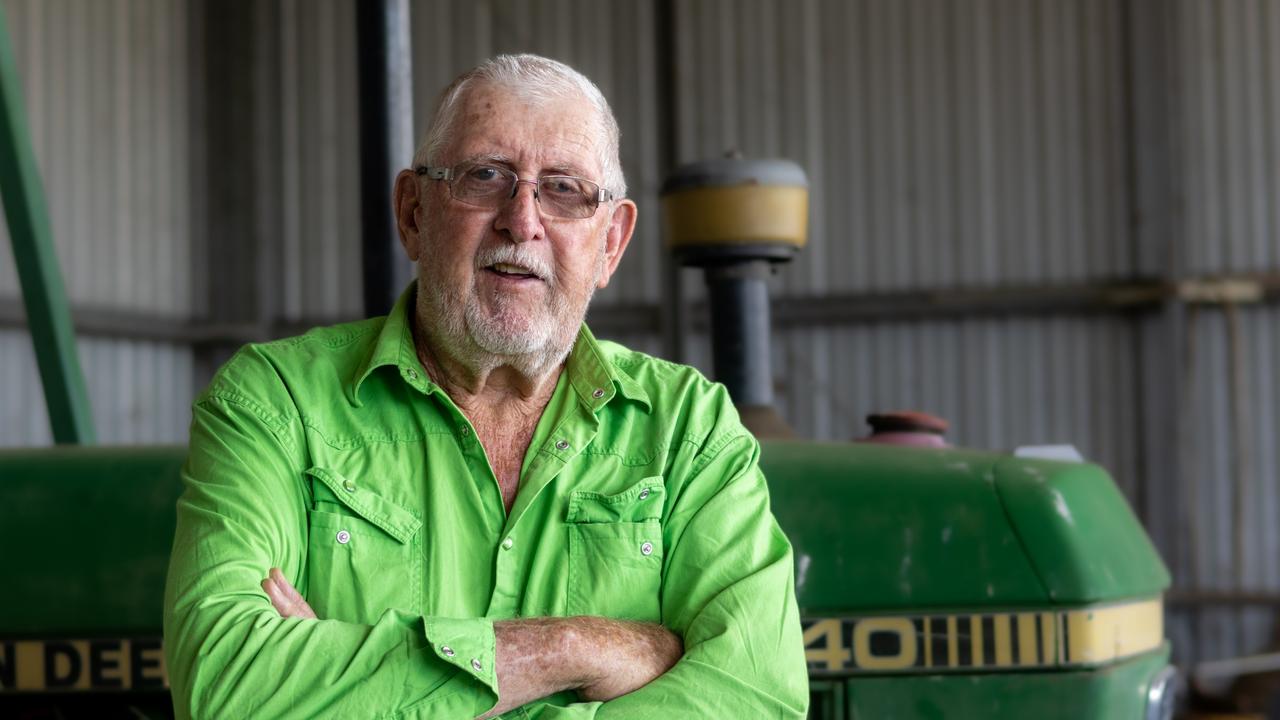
column 481, row 506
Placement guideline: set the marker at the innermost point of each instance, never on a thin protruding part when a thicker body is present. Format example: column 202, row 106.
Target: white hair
column 536, row 80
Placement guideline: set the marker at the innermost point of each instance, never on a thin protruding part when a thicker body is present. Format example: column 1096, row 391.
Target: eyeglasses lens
column 560, row 195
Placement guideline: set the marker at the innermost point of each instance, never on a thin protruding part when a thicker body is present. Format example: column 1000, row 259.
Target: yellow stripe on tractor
column 1003, row 641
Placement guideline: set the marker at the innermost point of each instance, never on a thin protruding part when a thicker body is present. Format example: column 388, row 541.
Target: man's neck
column 482, row 386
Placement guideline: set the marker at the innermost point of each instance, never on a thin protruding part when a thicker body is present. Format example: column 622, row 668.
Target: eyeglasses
column 490, row 186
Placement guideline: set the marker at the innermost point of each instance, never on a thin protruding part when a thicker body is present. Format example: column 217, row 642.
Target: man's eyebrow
column 565, row 168
column 490, row 159
column 555, row 168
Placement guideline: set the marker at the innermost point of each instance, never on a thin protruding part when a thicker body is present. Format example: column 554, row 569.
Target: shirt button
column 646, row 549
column 413, row 374
column 344, row 537
column 464, row 431
column 476, row 664
column 644, row 493
column 599, row 393
column 448, row 651
column 349, row 486
column 562, row 444
column 506, row 544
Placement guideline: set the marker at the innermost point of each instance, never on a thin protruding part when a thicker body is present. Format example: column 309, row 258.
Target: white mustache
column 515, row 255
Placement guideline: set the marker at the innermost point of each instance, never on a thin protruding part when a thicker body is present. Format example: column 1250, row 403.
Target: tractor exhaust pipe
column 739, row 297
column 737, row 220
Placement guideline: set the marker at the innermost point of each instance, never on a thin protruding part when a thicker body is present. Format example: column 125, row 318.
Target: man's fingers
column 299, row 604
column 277, row 598
column 289, row 592
column 286, row 600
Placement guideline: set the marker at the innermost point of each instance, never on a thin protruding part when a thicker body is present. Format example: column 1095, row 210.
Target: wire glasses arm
column 435, row 173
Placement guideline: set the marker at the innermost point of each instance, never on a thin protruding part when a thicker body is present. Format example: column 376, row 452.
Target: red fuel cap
column 907, row 427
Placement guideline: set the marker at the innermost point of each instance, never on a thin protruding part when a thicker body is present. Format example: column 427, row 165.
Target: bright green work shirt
column 334, row 457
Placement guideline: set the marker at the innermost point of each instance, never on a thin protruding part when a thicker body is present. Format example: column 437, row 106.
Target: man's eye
column 483, row 173
column 561, row 186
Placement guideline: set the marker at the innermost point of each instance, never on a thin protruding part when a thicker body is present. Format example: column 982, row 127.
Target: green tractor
column 954, row 583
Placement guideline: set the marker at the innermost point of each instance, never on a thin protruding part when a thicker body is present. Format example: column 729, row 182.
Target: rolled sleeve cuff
column 469, row 645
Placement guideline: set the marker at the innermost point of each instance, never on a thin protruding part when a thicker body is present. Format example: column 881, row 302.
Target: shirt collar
column 595, row 380
column 393, row 346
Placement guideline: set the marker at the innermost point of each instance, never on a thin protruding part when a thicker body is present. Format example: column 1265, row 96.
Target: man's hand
column 599, row 657
column 287, row 601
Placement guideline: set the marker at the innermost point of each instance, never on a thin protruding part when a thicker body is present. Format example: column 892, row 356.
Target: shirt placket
column 475, row 465
column 469, row 447
column 571, row 435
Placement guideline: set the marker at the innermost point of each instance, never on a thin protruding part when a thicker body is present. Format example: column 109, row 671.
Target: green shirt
column 334, row 457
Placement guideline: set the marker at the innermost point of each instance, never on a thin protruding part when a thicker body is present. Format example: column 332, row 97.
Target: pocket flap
column 396, row 521
column 639, row 503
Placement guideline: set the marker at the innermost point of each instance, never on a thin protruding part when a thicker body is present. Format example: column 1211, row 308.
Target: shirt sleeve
column 228, row 651
column 728, row 590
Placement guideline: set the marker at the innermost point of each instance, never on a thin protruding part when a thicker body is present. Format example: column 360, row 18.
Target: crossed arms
column 598, row 657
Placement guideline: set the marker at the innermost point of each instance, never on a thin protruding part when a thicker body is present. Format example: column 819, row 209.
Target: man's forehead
column 497, row 125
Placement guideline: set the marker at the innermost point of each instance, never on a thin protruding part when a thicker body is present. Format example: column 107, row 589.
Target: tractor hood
column 879, row 528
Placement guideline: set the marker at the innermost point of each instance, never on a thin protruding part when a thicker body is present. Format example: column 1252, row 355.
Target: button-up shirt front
column 334, row 457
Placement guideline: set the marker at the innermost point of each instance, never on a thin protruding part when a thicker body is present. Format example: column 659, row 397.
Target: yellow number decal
column 832, row 653
column 899, row 626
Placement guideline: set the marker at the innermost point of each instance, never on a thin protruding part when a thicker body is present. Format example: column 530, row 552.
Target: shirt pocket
column 359, row 552
column 615, row 552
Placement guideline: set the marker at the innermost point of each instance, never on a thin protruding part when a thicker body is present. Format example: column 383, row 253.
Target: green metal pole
column 48, row 314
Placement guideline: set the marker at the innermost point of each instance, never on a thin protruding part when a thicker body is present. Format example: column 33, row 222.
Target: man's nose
column 532, row 183
column 520, row 216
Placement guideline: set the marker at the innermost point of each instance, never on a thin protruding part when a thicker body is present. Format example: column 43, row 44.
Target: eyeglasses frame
column 447, row 174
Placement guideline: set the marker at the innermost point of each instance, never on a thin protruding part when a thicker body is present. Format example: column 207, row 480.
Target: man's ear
column 405, row 204
column 621, row 226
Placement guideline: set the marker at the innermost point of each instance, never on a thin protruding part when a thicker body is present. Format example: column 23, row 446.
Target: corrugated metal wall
column 318, row 159
column 105, row 85
column 1001, row 382
column 1229, row 67
column 105, row 89
column 1233, row 478
column 140, row 391
column 948, row 143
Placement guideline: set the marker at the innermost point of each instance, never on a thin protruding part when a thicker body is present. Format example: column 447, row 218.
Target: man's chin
column 531, row 346
column 507, row 346
column 508, row 337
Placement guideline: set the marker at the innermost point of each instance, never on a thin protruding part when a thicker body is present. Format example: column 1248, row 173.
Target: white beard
column 484, row 335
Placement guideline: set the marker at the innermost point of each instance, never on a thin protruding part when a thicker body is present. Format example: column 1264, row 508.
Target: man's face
column 514, row 280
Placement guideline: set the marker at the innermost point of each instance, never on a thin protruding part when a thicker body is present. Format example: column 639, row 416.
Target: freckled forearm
column 532, row 661
column 540, row 649
column 601, row 658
